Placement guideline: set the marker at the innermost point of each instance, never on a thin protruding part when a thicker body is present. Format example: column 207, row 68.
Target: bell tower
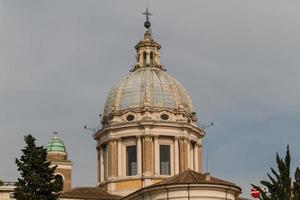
column 57, row 154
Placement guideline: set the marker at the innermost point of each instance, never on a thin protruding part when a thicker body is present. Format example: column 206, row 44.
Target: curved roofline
column 184, row 180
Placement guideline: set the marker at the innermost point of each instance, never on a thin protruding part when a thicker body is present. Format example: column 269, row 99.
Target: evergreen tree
column 37, row 180
column 296, row 184
column 280, row 186
column 1, row 182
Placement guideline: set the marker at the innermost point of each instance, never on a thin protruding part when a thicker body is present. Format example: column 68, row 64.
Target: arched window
column 144, row 58
column 151, row 58
column 60, row 180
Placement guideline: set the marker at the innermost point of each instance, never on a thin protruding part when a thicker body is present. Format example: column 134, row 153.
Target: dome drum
column 154, row 114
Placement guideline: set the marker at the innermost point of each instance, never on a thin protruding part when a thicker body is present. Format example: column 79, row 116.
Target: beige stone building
column 149, row 146
column 6, row 191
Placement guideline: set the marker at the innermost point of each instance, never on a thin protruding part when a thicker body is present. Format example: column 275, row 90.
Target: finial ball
column 147, row 24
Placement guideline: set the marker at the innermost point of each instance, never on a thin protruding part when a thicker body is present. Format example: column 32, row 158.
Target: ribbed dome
column 56, row 145
column 150, row 87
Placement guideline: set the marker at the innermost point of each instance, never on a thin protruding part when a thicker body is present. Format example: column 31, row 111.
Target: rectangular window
column 131, row 168
column 164, row 159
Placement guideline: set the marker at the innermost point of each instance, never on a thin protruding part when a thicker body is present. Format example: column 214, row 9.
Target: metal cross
column 147, row 14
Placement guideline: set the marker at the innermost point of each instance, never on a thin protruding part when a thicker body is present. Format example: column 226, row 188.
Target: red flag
column 255, row 193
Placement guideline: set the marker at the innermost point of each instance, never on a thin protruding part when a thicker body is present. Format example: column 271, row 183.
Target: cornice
column 151, row 123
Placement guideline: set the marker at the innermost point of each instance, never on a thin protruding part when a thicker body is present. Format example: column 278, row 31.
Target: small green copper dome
column 56, row 145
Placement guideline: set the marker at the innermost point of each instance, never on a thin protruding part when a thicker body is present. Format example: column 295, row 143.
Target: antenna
column 204, row 127
column 90, row 129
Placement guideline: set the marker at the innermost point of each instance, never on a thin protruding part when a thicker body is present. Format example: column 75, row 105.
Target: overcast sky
column 239, row 61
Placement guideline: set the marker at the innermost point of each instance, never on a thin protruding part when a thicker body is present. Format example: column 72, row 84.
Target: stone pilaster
column 156, row 156
column 139, row 154
column 196, row 162
column 148, row 158
column 189, row 155
column 119, row 141
column 98, row 166
column 199, row 150
column 176, row 155
column 183, row 154
column 112, row 158
column 101, row 152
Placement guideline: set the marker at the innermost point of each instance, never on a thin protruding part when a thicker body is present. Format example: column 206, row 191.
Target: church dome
column 56, row 145
column 148, row 85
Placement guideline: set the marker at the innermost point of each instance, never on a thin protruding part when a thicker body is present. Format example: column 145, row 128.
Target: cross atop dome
column 147, row 23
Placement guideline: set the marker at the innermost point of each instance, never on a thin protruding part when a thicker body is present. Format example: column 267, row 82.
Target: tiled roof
column 190, row 177
column 91, row 193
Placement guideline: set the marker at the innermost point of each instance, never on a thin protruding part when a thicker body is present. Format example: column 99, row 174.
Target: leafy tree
column 1, row 182
column 37, row 180
column 280, row 186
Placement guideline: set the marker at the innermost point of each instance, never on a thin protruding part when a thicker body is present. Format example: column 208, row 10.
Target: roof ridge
column 193, row 175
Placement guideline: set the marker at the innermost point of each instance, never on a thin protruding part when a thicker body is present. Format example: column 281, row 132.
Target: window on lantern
column 164, row 159
column 131, row 165
column 151, row 58
column 144, row 58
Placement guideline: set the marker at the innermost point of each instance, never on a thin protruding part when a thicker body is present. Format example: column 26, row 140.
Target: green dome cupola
column 56, row 150
column 56, row 144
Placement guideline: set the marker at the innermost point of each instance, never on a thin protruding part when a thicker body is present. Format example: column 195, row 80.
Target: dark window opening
column 164, row 117
column 130, row 118
column 151, row 58
column 60, row 181
column 131, row 165
column 164, row 159
column 144, row 58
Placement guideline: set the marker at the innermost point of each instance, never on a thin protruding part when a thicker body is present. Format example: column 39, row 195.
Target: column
column 139, row 155
column 188, row 154
column 112, row 158
column 147, row 155
column 176, row 155
column 119, row 157
column 148, row 58
column 98, row 165
column 196, row 163
column 183, row 154
column 101, row 164
column 156, row 156
column 172, row 159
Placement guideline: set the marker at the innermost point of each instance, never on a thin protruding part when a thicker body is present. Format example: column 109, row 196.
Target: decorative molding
column 113, row 139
